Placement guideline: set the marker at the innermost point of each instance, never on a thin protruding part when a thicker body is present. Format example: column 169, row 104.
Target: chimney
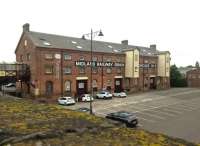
column 26, row 27
column 124, row 42
column 153, row 46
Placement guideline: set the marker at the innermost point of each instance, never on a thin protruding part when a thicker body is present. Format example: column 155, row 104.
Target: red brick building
column 62, row 65
column 193, row 78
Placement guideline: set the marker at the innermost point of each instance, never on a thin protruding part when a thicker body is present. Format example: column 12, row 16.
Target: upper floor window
column 82, row 58
column 94, row 70
column 81, row 70
column 25, row 42
column 67, row 70
column 67, row 56
column 48, row 69
column 94, row 58
column 108, row 70
column 167, row 59
column 136, row 57
column 108, row 59
column 48, row 56
column 21, row 58
column 28, row 57
column 119, row 70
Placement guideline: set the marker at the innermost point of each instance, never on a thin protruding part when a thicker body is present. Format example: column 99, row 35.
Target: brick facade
column 193, row 78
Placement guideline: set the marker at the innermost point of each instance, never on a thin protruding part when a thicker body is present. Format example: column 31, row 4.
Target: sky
column 173, row 25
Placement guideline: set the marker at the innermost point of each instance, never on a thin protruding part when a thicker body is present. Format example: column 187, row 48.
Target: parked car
column 119, row 94
column 104, row 95
column 125, row 117
column 66, row 100
column 86, row 97
column 11, row 87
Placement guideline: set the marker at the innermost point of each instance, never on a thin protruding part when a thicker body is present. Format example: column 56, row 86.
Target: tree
column 176, row 79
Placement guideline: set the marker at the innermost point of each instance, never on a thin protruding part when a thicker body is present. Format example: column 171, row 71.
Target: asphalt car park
column 175, row 112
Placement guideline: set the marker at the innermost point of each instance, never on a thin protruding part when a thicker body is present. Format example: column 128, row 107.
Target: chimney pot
column 124, row 42
column 26, row 27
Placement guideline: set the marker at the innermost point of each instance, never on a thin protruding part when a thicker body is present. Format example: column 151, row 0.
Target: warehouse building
column 61, row 65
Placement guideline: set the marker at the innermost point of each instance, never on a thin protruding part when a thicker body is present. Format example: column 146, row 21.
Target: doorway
column 81, row 87
column 152, row 83
column 118, row 85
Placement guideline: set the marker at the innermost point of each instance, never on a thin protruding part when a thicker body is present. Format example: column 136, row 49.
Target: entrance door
column 152, row 83
column 118, row 85
column 49, row 88
column 81, row 87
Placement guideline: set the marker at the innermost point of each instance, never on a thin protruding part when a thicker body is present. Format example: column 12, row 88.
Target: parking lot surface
column 175, row 112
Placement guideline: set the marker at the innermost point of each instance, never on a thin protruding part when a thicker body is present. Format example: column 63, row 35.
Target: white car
column 66, row 100
column 11, row 87
column 119, row 94
column 104, row 95
column 86, row 97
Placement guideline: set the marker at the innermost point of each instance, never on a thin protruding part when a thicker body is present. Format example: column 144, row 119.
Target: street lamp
column 91, row 35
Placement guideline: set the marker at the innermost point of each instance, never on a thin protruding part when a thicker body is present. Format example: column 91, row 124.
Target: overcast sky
column 172, row 25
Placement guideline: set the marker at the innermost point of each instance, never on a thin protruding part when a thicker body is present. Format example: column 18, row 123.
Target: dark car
column 125, row 117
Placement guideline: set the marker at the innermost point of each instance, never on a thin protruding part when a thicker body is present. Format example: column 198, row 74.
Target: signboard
column 99, row 64
column 147, row 65
column 2, row 73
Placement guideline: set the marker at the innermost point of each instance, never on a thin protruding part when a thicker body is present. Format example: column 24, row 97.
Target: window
column 67, row 56
column 68, row 86
column 167, row 59
column 94, row 85
column 48, row 69
column 21, row 58
column 108, row 70
column 108, row 60
column 28, row 57
column 81, row 70
column 94, row 58
column 82, row 58
column 48, row 56
column 67, row 70
column 136, row 69
column 136, row 57
column 94, row 70
column 25, row 43
column 108, row 85
column 119, row 70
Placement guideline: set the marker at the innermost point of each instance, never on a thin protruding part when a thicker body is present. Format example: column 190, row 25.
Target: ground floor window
column 49, row 88
column 94, row 85
column 67, row 86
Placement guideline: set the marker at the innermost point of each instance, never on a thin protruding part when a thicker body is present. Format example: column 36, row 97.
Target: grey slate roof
column 65, row 42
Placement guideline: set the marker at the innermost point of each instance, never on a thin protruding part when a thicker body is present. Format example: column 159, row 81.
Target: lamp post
column 91, row 35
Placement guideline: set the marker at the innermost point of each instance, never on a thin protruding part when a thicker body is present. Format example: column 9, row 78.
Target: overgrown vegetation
column 23, row 123
column 176, row 78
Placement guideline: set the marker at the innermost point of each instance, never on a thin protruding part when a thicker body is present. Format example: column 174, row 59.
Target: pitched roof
column 56, row 41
